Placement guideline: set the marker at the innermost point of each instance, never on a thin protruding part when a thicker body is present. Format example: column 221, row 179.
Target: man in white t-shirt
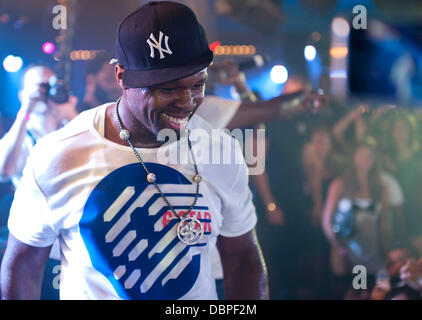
column 129, row 225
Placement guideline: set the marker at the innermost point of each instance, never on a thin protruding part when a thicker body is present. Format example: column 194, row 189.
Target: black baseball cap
column 161, row 41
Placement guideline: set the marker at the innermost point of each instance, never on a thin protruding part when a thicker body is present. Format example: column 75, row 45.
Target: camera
column 57, row 90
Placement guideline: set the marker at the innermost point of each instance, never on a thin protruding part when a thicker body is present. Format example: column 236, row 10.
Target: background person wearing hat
column 130, row 227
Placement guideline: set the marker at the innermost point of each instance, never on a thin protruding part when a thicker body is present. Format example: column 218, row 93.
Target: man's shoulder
column 64, row 149
column 218, row 111
column 67, row 139
column 223, row 158
column 217, row 138
column 83, row 122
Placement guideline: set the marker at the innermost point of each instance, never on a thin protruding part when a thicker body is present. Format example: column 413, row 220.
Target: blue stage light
column 309, row 53
column 12, row 63
column 279, row 74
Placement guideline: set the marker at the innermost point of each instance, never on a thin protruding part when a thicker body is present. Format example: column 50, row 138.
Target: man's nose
column 186, row 100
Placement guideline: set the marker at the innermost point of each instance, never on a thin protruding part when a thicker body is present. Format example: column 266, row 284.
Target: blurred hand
column 29, row 101
column 64, row 111
column 355, row 114
column 314, row 100
column 411, row 272
column 276, row 217
column 228, row 73
column 379, row 292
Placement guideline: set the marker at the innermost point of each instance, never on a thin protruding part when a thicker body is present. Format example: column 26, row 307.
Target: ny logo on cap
column 154, row 44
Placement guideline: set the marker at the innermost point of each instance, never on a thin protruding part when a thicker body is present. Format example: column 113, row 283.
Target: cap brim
column 153, row 77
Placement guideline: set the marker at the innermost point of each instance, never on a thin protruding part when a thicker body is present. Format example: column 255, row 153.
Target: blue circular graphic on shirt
column 122, row 228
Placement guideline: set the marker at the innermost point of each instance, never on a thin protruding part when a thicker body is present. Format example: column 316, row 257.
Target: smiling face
column 165, row 106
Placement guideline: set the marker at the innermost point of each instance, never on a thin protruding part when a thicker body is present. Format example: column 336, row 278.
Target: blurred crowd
column 342, row 187
column 348, row 181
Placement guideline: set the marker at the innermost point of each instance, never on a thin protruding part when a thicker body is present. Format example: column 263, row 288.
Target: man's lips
column 176, row 118
column 179, row 119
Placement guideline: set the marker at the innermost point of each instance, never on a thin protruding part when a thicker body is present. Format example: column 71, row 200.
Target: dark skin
column 22, row 270
column 245, row 275
column 140, row 111
column 251, row 113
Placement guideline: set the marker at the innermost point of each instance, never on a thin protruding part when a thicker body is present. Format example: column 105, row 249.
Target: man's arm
column 251, row 113
column 12, row 148
column 333, row 196
column 274, row 213
column 245, row 274
column 11, row 145
column 411, row 273
column 353, row 117
column 252, row 110
column 313, row 168
column 22, row 270
column 261, row 182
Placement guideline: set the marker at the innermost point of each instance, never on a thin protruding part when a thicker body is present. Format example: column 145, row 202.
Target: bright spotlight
column 48, row 47
column 12, row 63
column 309, row 52
column 279, row 74
column 340, row 27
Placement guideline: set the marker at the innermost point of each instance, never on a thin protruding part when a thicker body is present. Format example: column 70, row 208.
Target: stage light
column 339, row 52
column 234, row 50
column 4, row 18
column 340, row 27
column 339, row 74
column 12, row 63
column 279, row 74
column 309, row 52
column 214, row 45
column 316, row 36
column 18, row 24
column 48, row 47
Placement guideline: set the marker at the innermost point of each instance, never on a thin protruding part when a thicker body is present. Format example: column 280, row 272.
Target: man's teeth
column 173, row 119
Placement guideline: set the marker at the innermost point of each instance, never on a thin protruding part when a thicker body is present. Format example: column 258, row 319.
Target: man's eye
column 168, row 90
column 198, row 86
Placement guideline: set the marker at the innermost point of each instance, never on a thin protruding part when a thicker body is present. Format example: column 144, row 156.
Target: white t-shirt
column 217, row 111
column 117, row 236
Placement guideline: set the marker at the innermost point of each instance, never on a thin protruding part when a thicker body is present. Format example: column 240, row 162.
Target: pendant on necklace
column 190, row 230
column 124, row 134
column 151, row 178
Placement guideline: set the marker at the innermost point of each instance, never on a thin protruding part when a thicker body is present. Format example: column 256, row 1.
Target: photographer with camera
column 40, row 113
column 37, row 116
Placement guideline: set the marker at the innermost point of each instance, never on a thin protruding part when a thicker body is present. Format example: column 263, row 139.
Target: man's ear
column 118, row 71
